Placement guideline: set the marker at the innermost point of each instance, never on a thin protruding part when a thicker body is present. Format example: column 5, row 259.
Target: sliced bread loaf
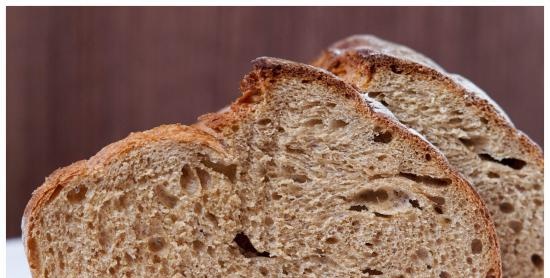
column 503, row 164
column 302, row 177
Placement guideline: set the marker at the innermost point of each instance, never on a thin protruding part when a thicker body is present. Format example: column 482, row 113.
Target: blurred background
column 79, row 78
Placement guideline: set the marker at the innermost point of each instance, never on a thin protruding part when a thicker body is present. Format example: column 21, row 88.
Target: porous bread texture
column 349, row 192
column 145, row 206
column 301, row 179
column 475, row 135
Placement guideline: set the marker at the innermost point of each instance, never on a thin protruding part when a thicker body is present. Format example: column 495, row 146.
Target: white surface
column 16, row 262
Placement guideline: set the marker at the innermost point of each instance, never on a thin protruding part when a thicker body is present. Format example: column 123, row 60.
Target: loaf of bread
column 301, row 177
column 476, row 136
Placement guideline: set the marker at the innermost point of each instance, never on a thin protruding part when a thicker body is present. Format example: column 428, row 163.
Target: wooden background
column 80, row 78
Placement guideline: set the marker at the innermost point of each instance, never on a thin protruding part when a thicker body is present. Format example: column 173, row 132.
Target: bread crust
column 267, row 71
column 56, row 181
column 350, row 51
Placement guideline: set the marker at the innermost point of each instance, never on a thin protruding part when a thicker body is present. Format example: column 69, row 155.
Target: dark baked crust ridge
column 267, row 71
column 56, row 181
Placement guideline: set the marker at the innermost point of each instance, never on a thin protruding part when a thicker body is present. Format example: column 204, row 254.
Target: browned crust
column 371, row 61
column 63, row 176
column 269, row 71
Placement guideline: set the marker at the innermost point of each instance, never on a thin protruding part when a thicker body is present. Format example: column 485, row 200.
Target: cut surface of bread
column 302, row 177
column 503, row 164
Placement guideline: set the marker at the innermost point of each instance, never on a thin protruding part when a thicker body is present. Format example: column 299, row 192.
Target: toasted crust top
column 370, row 53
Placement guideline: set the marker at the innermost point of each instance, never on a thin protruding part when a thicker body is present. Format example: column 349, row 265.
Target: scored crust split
column 476, row 136
column 301, row 177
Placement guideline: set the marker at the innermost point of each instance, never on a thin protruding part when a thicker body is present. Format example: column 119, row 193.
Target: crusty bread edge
column 56, row 181
column 370, row 60
column 267, row 70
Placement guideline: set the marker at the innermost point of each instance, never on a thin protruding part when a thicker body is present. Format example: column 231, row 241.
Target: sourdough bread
column 476, row 136
column 301, row 177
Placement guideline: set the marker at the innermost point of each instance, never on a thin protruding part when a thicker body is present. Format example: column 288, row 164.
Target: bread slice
column 302, row 177
column 503, row 164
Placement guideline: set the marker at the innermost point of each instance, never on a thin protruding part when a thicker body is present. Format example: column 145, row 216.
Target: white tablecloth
column 16, row 262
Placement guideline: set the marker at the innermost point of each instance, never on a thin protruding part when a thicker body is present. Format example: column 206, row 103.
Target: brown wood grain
column 79, row 78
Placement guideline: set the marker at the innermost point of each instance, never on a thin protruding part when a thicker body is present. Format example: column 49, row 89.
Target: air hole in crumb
column 331, row 240
column 396, row 69
column 204, row 178
column 384, row 102
column 247, row 249
column 187, row 182
column 198, row 208
column 374, row 94
column 300, row 178
column 382, row 157
column 513, row 163
column 337, row 124
column 436, row 199
column 292, row 149
column 438, row 209
column 377, row 214
column 230, row 171
column 212, row 218
column 455, row 120
column 476, row 246
column 428, row 157
column 493, row 175
column 444, row 274
column 473, row 142
column 516, row 226
column 422, row 253
column 537, row 261
column 155, row 244
column 484, row 120
column 383, row 137
column 198, row 245
column 372, row 196
column 426, row 179
column 311, row 104
column 358, row 208
column 268, row 221
column 415, row 204
column 164, row 197
column 77, row 194
column 331, row 104
column 264, row 121
column 104, row 239
column 371, row 271
column 313, row 122
column 263, row 271
column 276, row 196
column 506, row 207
